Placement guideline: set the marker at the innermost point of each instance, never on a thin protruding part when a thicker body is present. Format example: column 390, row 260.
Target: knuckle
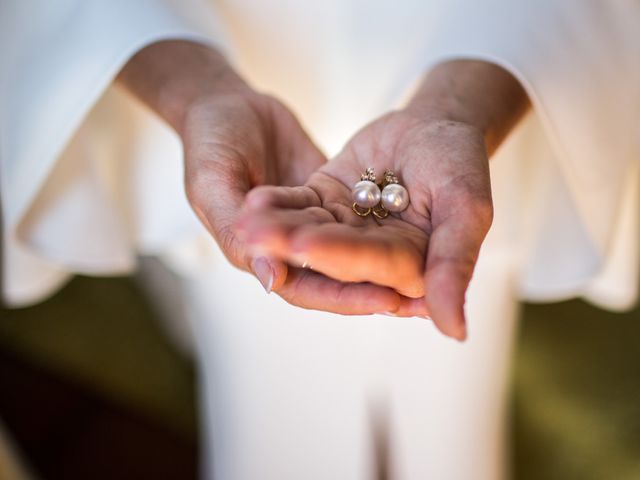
column 341, row 294
column 290, row 292
column 460, row 262
column 230, row 247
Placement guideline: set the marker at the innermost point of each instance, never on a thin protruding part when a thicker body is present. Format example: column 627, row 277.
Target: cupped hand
column 438, row 146
column 429, row 250
column 236, row 141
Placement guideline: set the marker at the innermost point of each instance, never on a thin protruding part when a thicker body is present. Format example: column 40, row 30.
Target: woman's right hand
column 439, row 146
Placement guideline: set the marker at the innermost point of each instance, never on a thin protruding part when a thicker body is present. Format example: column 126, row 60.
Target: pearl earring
column 395, row 197
column 366, row 194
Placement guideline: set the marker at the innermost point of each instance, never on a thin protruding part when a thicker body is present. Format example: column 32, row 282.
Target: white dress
column 90, row 180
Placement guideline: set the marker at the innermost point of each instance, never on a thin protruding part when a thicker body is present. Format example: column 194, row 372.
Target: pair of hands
column 273, row 203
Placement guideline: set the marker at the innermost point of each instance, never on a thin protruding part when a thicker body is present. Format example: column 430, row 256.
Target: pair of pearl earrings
column 379, row 199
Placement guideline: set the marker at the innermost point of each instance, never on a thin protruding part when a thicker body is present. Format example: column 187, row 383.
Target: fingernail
column 262, row 269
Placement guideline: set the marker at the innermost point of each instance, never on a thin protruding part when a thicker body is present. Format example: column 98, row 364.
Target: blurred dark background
column 92, row 387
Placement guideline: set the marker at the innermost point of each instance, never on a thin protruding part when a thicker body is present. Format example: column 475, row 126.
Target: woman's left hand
column 427, row 250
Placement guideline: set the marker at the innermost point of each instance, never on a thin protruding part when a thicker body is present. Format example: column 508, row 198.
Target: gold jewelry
column 360, row 211
column 380, row 212
column 388, row 178
column 369, row 174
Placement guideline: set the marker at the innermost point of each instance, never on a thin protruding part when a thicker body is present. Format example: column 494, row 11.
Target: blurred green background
column 575, row 395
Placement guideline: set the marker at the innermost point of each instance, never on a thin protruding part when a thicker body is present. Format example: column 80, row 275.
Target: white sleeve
column 579, row 61
column 57, row 60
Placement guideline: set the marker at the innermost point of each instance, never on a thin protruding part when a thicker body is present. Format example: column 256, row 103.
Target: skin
column 236, row 139
column 269, row 198
column 439, row 145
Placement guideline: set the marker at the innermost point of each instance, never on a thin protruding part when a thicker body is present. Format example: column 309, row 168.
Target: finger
column 271, row 196
column 217, row 204
column 269, row 230
column 385, row 256
column 453, row 250
column 312, row 290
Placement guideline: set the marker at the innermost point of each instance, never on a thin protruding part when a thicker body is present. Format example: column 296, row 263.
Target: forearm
column 170, row 76
column 474, row 93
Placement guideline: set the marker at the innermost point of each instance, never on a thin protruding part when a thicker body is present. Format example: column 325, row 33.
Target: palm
column 235, row 143
column 444, row 168
column 349, row 248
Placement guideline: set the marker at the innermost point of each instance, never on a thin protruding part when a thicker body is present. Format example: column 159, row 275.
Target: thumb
column 217, row 198
column 270, row 272
column 453, row 250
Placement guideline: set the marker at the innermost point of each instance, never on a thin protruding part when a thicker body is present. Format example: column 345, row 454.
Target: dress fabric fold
column 91, row 180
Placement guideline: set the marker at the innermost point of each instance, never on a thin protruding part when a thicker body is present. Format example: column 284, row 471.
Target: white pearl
column 395, row 198
column 366, row 194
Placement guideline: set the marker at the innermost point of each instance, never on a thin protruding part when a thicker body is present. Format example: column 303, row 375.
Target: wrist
column 171, row 77
column 472, row 94
column 444, row 110
column 445, row 124
column 196, row 87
